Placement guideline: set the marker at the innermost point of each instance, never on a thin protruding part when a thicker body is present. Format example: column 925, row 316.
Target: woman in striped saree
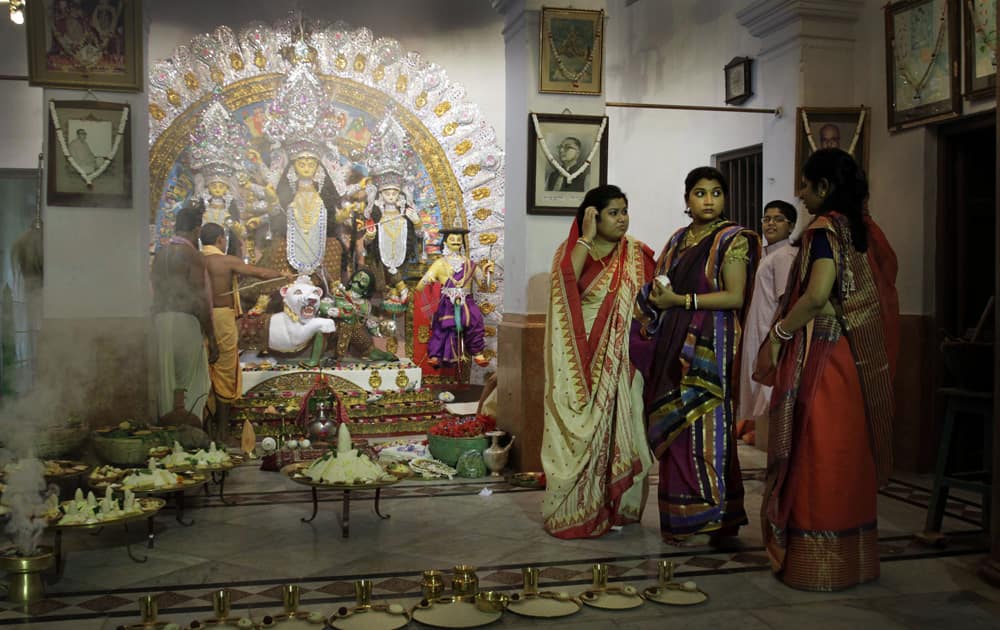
column 594, row 454
column 685, row 341
column 834, row 346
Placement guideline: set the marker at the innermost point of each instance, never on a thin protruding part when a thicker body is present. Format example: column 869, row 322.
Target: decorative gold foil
column 421, row 100
column 402, row 380
column 471, row 170
column 487, row 239
column 424, row 334
column 490, row 331
column 191, row 81
column 480, row 193
column 401, row 83
column 173, row 98
column 340, row 63
column 259, row 60
column 375, row 379
column 379, row 73
column 463, row 147
column 217, row 76
column 359, row 63
column 482, row 213
column 442, row 108
column 449, row 129
column 487, row 308
column 235, row 61
column 157, row 112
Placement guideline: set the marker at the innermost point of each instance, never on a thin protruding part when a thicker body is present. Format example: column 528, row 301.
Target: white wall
column 672, row 52
column 21, row 123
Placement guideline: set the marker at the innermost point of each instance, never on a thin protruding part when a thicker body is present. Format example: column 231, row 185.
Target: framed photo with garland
column 844, row 128
column 85, row 44
column 980, row 45
column 90, row 154
column 571, row 51
column 567, row 156
column 922, row 57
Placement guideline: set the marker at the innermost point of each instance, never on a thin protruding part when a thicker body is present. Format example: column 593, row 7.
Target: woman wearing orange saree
column 594, row 450
column 834, row 347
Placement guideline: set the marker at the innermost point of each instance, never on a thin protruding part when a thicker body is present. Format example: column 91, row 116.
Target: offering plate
column 56, row 469
column 451, row 612
column 376, row 617
column 546, row 604
column 150, row 507
column 527, row 480
column 234, row 461
column 294, row 472
column 612, row 598
column 190, row 479
column 673, row 594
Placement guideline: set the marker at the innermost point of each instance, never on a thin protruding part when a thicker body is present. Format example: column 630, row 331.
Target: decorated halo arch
column 460, row 179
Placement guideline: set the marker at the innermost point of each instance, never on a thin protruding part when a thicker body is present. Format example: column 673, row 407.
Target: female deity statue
column 307, row 174
column 217, row 146
column 457, row 328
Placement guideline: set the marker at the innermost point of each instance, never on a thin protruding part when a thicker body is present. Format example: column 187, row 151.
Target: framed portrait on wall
column 571, row 51
column 844, row 128
column 980, row 44
column 921, row 50
column 95, row 44
column 737, row 75
column 567, row 156
column 90, row 154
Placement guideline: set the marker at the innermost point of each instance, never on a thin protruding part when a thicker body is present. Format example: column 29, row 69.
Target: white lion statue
column 293, row 328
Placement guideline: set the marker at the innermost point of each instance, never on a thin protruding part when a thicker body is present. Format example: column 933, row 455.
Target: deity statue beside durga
column 358, row 167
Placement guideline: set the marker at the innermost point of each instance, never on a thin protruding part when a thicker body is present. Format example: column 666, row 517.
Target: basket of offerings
column 128, row 444
column 448, row 439
column 59, row 440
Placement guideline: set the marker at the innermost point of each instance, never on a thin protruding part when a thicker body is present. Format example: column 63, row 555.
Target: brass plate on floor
column 674, row 595
column 611, row 599
column 448, row 613
column 545, row 605
column 375, row 618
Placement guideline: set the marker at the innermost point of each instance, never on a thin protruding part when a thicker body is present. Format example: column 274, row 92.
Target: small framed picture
column 980, row 43
column 83, row 44
column 567, row 156
column 90, row 154
column 738, row 80
column 844, row 128
column 921, row 48
column 571, row 51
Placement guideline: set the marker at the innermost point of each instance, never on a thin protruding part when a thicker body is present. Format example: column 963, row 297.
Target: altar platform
column 380, row 399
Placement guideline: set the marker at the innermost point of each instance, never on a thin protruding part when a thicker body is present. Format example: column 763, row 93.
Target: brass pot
column 464, row 583
column 432, row 585
column 24, row 575
column 492, row 601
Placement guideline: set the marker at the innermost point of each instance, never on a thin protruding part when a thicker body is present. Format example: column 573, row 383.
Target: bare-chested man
column 182, row 317
column 225, row 373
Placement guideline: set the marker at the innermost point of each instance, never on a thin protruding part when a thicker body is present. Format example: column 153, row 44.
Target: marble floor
column 258, row 543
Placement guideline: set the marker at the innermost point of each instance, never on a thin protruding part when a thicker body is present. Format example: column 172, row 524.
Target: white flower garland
column 919, row 84
column 555, row 163
column 854, row 140
column 89, row 177
column 563, row 70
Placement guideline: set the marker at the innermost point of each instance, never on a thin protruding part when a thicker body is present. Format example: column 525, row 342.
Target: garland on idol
column 105, row 160
column 919, row 84
column 555, row 163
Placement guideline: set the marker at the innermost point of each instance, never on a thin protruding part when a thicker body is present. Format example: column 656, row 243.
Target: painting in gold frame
column 921, row 53
column 85, row 44
column 571, row 51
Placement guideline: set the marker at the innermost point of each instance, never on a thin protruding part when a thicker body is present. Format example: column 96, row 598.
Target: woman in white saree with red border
column 594, row 450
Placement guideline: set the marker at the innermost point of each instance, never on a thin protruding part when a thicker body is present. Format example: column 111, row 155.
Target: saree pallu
column 831, row 415
column 689, row 360
column 594, row 454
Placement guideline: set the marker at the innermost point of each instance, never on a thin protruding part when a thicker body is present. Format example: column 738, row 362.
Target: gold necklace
column 307, row 207
column 695, row 235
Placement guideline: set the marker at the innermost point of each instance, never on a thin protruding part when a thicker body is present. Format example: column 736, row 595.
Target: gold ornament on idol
column 306, row 209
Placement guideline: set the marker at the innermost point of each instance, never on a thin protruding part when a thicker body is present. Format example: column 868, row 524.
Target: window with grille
column 743, row 169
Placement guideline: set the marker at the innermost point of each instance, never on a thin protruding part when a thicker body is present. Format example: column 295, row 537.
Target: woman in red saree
column 834, row 347
column 594, row 453
column 685, row 341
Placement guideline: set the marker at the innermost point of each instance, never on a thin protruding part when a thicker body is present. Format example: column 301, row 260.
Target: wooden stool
column 960, row 405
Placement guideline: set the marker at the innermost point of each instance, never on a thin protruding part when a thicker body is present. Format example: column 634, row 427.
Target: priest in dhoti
column 223, row 270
